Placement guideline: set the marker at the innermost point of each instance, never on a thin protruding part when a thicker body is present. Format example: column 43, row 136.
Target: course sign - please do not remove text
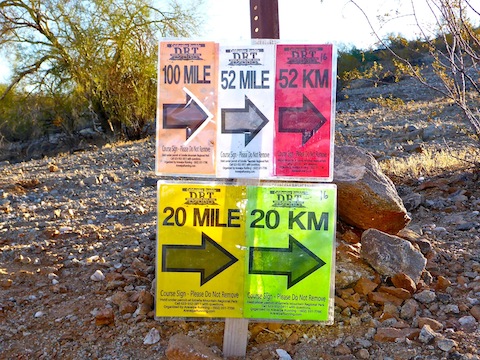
column 261, row 111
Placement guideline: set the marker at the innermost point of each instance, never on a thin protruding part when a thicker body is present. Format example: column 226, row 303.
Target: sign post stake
column 264, row 24
column 235, row 337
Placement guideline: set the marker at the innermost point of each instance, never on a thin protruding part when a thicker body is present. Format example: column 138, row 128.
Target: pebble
column 425, row 297
column 467, row 321
column 152, row 337
column 283, row 355
column 363, row 354
column 97, row 276
column 446, row 344
column 452, row 308
column 427, row 334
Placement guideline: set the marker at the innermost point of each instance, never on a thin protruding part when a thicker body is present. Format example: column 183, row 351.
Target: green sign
column 290, row 237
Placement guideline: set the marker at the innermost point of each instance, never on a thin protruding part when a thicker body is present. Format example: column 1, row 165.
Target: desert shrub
column 27, row 115
column 390, row 102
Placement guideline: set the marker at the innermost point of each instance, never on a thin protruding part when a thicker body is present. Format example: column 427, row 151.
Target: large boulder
column 390, row 255
column 366, row 197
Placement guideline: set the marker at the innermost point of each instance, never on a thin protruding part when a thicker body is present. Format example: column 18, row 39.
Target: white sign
column 246, row 111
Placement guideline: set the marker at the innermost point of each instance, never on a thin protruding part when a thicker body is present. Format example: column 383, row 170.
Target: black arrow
column 209, row 258
column 187, row 116
column 296, row 261
column 306, row 119
column 249, row 121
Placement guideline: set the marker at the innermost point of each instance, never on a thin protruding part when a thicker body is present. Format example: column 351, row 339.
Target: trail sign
column 291, row 242
column 186, row 129
column 304, row 112
column 253, row 111
column 245, row 100
column 200, row 249
column 246, row 251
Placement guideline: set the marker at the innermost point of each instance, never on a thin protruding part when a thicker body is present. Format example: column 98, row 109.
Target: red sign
column 304, row 112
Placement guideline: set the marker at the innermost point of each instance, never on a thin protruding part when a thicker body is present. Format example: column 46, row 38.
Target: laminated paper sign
column 245, row 102
column 291, row 253
column 304, row 112
column 246, row 252
column 200, row 251
column 186, row 108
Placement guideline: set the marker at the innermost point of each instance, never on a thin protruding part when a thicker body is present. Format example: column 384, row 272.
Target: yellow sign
column 200, row 251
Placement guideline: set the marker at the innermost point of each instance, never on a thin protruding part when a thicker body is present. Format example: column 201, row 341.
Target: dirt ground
column 67, row 219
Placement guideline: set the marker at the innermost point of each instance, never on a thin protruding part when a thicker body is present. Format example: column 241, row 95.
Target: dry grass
column 432, row 163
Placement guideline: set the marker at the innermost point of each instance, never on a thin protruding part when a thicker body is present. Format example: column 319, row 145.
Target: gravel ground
column 77, row 249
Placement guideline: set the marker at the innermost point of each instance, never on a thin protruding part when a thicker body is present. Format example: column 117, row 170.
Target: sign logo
column 305, row 56
column 288, row 199
column 185, row 51
column 198, row 196
column 241, row 57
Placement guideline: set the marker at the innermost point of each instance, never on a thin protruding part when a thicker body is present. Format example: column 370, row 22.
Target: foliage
column 390, row 102
column 455, row 51
column 431, row 162
column 96, row 57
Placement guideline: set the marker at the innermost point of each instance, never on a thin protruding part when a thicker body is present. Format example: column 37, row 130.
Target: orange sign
column 186, row 108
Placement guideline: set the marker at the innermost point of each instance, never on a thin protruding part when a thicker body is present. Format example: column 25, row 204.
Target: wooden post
column 264, row 24
column 235, row 337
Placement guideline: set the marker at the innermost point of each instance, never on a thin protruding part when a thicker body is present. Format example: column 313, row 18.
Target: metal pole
column 264, row 19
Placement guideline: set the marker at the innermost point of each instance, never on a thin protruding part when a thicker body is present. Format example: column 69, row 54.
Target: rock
column 93, row 180
column 145, row 297
column 451, row 308
column 383, row 298
column 152, row 337
column 427, row 334
column 468, row 323
column 105, row 317
column 127, row 307
column 6, row 283
column 342, row 350
column 425, row 297
column 392, row 334
column 446, row 344
column 409, row 309
column 390, row 255
column 434, row 324
column 475, row 312
column 366, row 197
column 283, row 355
column 119, row 297
column 349, row 266
column 181, row 347
column 363, row 354
column 397, row 292
column 442, row 283
column 365, row 286
column 403, row 281
column 97, row 276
